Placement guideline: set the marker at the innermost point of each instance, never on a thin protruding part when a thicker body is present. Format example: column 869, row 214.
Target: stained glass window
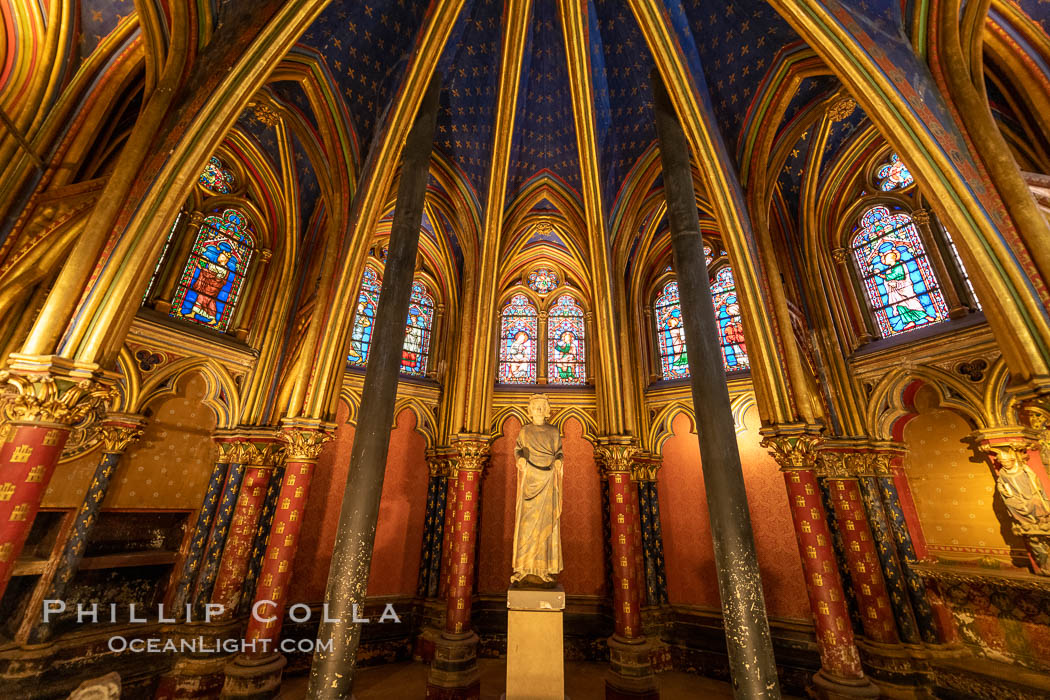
column 211, row 282
column 160, row 260
column 961, row 267
column 894, row 175
column 709, row 254
column 517, row 350
column 565, row 348
column 899, row 282
column 364, row 317
column 670, row 333
column 542, row 280
column 417, row 331
column 727, row 314
column 217, row 177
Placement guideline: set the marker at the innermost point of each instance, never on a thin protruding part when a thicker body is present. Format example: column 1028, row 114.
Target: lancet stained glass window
column 898, row 280
column 565, row 348
column 364, row 317
column 417, row 331
column 217, row 177
column 518, row 332
column 894, row 175
column 542, row 280
column 211, row 282
column 727, row 314
column 160, row 260
column 670, row 333
column 961, row 267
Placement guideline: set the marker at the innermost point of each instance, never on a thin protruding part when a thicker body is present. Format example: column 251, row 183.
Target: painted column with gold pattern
column 202, row 528
column 838, row 467
column 453, row 672
column 44, row 398
column 118, row 431
column 257, row 673
column 630, row 668
column 261, row 454
column 840, row 673
column 645, row 470
column 433, row 525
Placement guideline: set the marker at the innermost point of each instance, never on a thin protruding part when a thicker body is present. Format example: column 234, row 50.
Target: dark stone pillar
column 332, row 673
column 750, row 647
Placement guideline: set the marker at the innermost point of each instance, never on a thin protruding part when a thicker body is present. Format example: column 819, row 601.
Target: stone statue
column 537, row 512
column 1021, row 492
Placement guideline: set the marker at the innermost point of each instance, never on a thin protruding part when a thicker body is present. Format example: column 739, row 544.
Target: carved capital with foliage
column 645, row 467
column 439, row 461
column 119, row 430
column 615, row 454
column 793, row 450
column 304, row 440
column 51, row 390
column 471, row 453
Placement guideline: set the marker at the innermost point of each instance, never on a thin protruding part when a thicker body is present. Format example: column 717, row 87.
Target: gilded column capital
column 49, row 389
column 850, row 458
column 471, row 453
column 196, row 219
column 615, row 454
column 645, row 467
column 793, row 449
column 439, row 461
column 255, row 447
column 304, row 439
column 840, row 255
column 118, row 430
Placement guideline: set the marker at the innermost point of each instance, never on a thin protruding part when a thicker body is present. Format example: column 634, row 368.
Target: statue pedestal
column 535, row 645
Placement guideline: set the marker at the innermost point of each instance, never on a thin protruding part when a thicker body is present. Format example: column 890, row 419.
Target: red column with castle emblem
column 631, row 672
column 453, row 671
column 28, row 455
column 862, row 559
column 622, row 517
column 463, row 535
column 260, row 669
column 236, row 555
column 840, row 673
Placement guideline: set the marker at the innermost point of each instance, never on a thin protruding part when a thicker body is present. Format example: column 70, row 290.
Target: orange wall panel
column 688, row 549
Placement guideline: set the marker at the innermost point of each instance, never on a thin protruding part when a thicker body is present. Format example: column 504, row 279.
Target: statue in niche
column 537, row 511
column 1023, row 496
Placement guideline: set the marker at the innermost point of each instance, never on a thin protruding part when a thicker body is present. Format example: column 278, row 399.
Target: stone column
column 257, row 674
column 202, row 528
column 454, row 671
column 332, row 672
column 839, row 467
column 750, row 647
column 630, row 670
column 644, row 474
column 1011, row 452
column 261, row 454
column 44, row 398
column 118, row 431
column 840, row 674
column 262, row 534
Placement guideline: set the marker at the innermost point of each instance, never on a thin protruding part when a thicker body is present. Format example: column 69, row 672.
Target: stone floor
column 583, row 681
